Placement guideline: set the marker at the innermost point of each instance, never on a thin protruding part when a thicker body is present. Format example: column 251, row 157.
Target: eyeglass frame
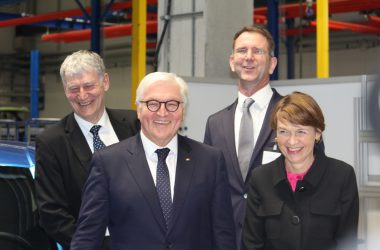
column 242, row 52
column 159, row 106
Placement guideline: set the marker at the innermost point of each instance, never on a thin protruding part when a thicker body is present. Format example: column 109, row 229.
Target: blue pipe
column 273, row 15
column 290, row 50
column 95, row 26
column 34, row 83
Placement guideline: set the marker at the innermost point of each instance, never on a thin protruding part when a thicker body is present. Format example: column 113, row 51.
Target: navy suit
column 120, row 193
column 220, row 133
column 63, row 155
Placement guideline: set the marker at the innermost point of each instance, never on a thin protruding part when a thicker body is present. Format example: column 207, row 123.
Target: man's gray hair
column 155, row 77
column 80, row 62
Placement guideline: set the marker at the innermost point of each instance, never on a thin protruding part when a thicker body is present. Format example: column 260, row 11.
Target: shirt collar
column 261, row 97
column 86, row 126
column 150, row 147
column 313, row 176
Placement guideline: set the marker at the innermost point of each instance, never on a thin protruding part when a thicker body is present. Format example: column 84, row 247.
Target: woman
column 304, row 199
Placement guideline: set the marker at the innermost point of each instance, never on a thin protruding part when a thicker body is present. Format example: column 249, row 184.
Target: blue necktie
column 98, row 144
column 245, row 138
column 163, row 184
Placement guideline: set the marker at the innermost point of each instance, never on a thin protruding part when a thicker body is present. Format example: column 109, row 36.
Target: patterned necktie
column 163, row 184
column 98, row 144
column 245, row 138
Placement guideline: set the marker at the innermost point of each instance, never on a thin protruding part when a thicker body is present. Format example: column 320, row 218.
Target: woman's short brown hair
column 300, row 109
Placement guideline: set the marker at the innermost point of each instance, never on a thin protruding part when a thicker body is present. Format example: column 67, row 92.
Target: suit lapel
column 266, row 130
column 229, row 132
column 78, row 142
column 118, row 124
column 184, row 173
column 138, row 165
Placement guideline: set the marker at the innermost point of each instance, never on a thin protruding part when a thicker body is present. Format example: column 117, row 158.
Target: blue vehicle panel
column 17, row 154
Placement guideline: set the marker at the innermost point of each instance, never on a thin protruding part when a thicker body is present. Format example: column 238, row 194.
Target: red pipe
column 108, row 32
column 259, row 19
column 62, row 14
column 335, row 6
column 151, row 45
column 373, row 19
column 290, row 10
column 351, row 27
column 149, row 16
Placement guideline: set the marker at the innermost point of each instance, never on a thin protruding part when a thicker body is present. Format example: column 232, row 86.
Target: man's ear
column 273, row 64
column 106, row 81
column 232, row 64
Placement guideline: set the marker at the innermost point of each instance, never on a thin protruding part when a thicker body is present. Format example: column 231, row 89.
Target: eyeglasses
column 242, row 52
column 154, row 105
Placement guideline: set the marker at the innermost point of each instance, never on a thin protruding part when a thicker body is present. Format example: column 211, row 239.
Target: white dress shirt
column 258, row 111
column 152, row 158
column 106, row 133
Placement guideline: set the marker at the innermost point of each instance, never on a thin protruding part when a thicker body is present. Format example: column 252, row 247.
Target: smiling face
column 296, row 142
column 161, row 126
column 253, row 69
column 86, row 94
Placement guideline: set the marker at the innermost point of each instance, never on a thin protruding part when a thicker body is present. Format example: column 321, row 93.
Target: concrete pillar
column 198, row 40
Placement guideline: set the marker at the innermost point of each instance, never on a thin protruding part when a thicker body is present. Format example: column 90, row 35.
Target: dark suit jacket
column 62, row 156
column 321, row 214
column 120, row 193
column 220, row 133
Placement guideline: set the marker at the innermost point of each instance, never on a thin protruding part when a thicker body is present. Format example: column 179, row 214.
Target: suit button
column 245, row 196
column 295, row 220
column 169, row 245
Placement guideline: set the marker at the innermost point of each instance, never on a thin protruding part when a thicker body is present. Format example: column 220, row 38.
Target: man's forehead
column 81, row 76
column 162, row 86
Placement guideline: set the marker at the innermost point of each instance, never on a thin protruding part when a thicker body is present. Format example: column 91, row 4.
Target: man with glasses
column 64, row 150
column 242, row 129
column 158, row 189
